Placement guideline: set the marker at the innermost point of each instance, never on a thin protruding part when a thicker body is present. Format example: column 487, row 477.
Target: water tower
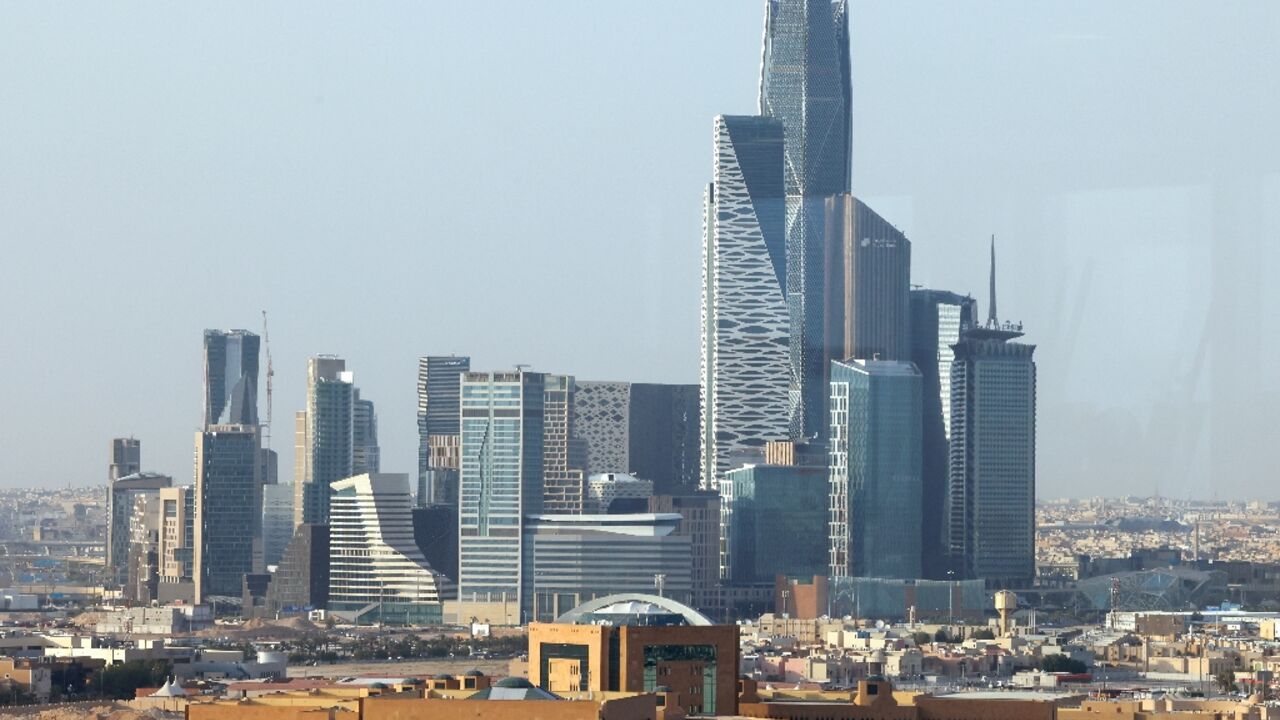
column 1006, row 604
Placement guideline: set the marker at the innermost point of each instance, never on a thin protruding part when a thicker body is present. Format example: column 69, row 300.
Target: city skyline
column 1160, row 395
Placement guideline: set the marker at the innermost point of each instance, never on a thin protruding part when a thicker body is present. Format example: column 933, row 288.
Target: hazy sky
column 522, row 182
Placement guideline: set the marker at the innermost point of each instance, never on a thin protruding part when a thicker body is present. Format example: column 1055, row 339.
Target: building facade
column 571, row 559
column 500, row 481
column 563, row 479
column 649, row 430
column 746, row 364
column 325, row 438
column 230, row 377
column 805, row 85
column 875, row 469
column 126, row 458
column 228, row 509
column 366, row 457
column 699, row 513
column 277, row 521
column 439, row 383
column 937, row 318
column 373, row 559
column 773, row 521
column 123, row 496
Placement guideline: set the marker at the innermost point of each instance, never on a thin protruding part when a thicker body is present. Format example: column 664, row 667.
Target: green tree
column 1226, row 681
column 122, row 681
column 1062, row 663
column 921, row 638
column 983, row 634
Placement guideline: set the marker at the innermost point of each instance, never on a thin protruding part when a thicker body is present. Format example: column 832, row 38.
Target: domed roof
column 513, row 682
column 442, row 676
column 473, row 673
column 633, row 609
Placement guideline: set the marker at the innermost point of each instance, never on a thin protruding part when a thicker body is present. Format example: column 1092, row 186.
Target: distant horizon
column 187, row 168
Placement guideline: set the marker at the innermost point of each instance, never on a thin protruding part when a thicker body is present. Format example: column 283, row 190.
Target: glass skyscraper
column 875, row 469
column 228, row 509
column 501, row 481
column 805, row 84
column 773, row 521
column 937, row 319
column 230, row 377
column 326, row 433
column 746, row 370
column 439, row 380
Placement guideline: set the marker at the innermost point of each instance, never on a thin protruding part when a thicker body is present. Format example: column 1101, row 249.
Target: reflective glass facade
column 875, row 481
column 773, row 521
column 228, row 509
column 500, row 480
column 439, row 380
column 230, row 377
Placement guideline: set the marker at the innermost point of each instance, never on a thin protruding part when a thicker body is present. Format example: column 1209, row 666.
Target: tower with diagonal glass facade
column 745, row 367
column 805, row 85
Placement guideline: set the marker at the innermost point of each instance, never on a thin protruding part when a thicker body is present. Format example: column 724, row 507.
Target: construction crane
column 271, row 373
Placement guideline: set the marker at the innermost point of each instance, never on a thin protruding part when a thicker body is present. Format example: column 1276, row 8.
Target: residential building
column 228, row 509
column 562, row 475
column 937, row 317
column 875, row 469
column 230, row 377
column 500, row 482
column 375, row 568
column 746, row 365
column 124, row 493
column 805, row 85
column 325, row 446
column 439, row 383
column 992, row 471
column 773, row 521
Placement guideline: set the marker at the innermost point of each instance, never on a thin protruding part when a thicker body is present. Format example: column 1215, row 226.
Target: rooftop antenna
column 991, row 310
column 521, row 366
column 271, row 373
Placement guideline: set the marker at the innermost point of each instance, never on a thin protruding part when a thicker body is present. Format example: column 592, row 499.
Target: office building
column 439, row 380
column 634, row 642
column 277, row 521
column 230, row 377
column 376, row 571
column 570, row 559
column 937, row 317
column 617, row 493
column 562, row 475
column 228, row 509
column 142, row 559
column 435, row 532
column 440, row 485
column 365, row 455
column 500, row 482
column 126, row 458
column 649, row 430
column 805, row 85
column 699, row 513
column 992, row 469
column 875, row 469
column 746, row 363
column 124, row 493
column 773, row 521
column 301, row 581
column 868, row 283
column 324, row 438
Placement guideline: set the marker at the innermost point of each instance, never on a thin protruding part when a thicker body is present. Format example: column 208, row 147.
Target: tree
column 1226, row 681
column 1062, row 663
column 983, row 634
column 122, row 681
column 921, row 638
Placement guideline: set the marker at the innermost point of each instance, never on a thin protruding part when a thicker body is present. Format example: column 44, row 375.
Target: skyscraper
column 228, row 509
column 230, row 377
column 563, row 480
column 937, row 318
column 366, row 457
column 646, row 429
column 123, row 497
column 805, row 84
column 875, row 469
column 325, row 450
column 439, row 379
column 501, row 482
column 126, row 458
column 868, row 284
column 375, row 567
column 745, row 366
column 992, row 471
column 773, row 521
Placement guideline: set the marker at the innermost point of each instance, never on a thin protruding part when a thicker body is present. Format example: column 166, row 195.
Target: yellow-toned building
column 639, row 644
column 875, row 699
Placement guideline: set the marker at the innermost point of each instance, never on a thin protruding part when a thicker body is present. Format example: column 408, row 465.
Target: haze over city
column 521, row 183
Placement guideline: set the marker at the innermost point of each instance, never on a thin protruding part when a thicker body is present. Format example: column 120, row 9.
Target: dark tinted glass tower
column 228, row 509
column 230, row 377
column 937, row 319
column 992, row 469
column 439, row 377
column 805, row 84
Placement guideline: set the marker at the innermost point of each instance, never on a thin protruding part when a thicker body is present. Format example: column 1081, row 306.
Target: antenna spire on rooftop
column 991, row 311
